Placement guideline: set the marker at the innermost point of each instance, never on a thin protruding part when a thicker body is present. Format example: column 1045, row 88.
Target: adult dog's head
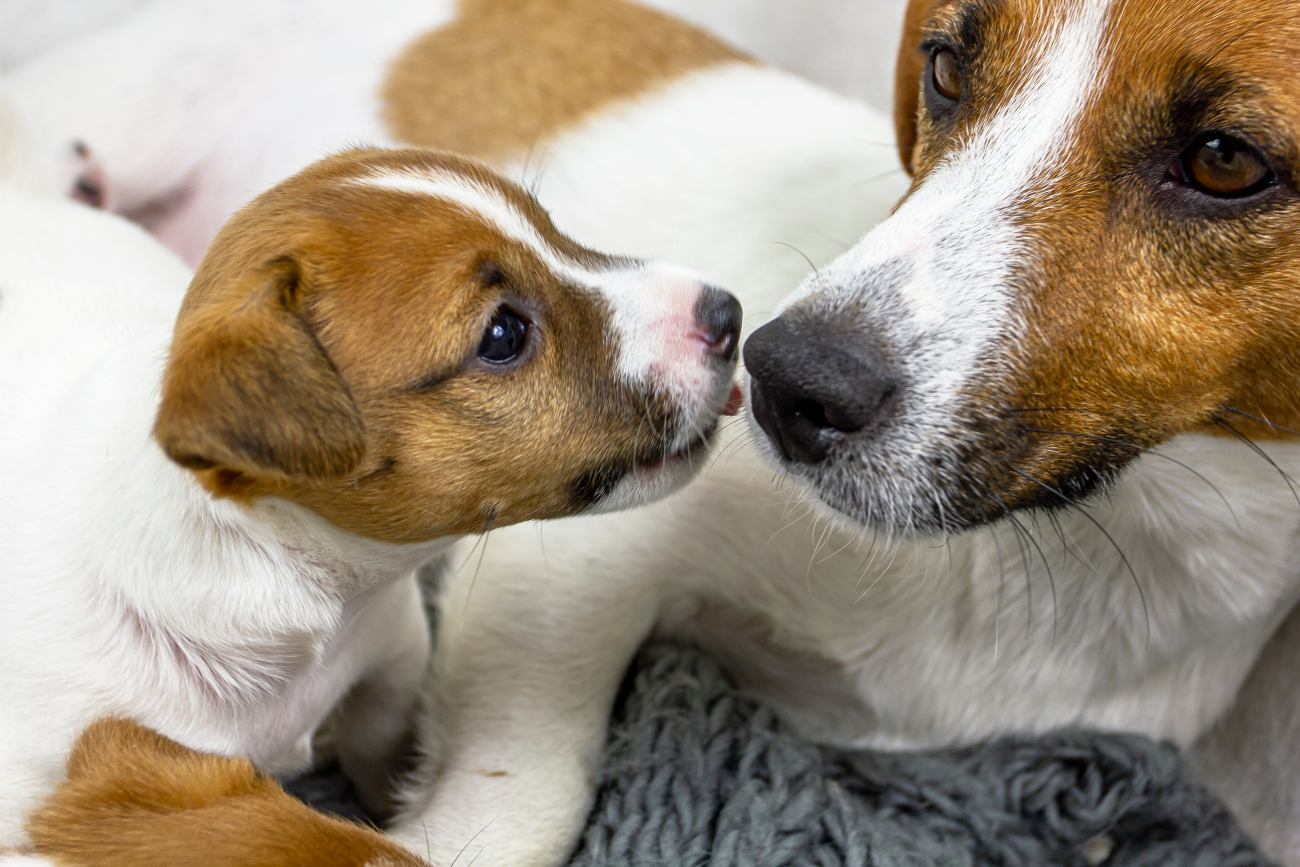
column 1100, row 251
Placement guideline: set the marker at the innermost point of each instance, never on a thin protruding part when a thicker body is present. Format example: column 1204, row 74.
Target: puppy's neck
column 229, row 602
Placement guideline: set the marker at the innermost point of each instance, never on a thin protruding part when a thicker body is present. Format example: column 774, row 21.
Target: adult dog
column 1034, row 440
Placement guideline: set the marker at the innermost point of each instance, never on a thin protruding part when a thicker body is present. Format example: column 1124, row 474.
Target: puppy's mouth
column 649, row 469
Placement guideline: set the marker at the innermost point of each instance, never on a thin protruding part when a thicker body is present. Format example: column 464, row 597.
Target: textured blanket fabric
column 698, row 775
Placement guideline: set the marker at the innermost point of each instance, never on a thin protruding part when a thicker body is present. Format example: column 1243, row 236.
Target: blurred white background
column 848, row 45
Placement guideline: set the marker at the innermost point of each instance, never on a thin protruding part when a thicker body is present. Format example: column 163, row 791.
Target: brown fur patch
column 359, row 393
column 911, row 64
column 508, row 74
column 134, row 798
column 1152, row 309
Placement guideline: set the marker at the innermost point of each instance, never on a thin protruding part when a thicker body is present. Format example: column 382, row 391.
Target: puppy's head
column 402, row 342
column 134, row 798
column 1100, row 250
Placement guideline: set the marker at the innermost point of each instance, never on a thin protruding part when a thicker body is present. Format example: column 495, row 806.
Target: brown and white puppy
column 216, row 506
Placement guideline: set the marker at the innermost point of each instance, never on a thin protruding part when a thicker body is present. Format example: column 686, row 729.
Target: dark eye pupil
column 1224, row 166
column 947, row 74
column 504, row 338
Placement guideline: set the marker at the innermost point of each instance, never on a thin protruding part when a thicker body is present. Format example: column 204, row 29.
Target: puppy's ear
column 907, row 79
column 249, row 389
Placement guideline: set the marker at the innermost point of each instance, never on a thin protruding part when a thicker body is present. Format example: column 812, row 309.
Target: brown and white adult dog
column 216, row 498
column 1044, row 417
column 1039, row 423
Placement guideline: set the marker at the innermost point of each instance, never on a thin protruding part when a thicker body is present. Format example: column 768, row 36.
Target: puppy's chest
column 280, row 694
column 250, row 671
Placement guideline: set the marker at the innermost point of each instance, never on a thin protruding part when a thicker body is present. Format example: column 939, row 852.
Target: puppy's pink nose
column 718, row 316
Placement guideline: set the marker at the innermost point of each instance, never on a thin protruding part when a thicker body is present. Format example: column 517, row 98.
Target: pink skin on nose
column 678, row 333
column 682, row 360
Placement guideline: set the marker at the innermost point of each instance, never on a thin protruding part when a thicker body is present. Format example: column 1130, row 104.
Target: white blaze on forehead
column 935, row 277
column 652, row 304
column 482, row 200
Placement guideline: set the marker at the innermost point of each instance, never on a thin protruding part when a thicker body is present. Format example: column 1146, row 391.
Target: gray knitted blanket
column 698, row 775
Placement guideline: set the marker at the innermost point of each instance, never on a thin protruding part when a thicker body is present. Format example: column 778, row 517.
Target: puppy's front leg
column 373, row 726
column 528, row 661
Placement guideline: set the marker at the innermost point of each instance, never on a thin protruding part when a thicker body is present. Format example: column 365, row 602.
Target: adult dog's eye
column 1226, row 167
column 945, row 71
column 504, row 338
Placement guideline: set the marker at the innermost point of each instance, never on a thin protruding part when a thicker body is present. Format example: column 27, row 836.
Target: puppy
column 215, row 505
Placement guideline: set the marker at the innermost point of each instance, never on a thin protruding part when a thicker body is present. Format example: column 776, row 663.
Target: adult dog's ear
column 907, row 79
column 250, row 390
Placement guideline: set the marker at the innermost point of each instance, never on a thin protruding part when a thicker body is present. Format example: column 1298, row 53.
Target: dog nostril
column 813, row 412
column 719, row 316
column 853, row 416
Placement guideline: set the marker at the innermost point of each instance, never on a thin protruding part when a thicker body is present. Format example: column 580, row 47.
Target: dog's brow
column 964, row 25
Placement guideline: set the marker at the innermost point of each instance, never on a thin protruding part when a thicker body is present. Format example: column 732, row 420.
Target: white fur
column 860, row 640
column 232, row 97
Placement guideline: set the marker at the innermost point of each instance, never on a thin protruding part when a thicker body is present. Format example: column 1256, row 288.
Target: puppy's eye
column 945, row 72
column 504, row 338
column 1226, row 167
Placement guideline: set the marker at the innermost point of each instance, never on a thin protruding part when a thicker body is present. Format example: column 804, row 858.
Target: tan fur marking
column 508, row 74
column 908, row 69
column 134, row 798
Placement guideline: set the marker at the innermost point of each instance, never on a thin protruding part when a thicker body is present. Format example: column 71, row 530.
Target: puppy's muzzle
column 814, row 385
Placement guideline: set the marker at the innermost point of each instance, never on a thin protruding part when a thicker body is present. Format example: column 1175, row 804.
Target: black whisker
column 1002, row 581
column 1146, row 613
column 1024, row 559
column 1051, row 582
column 471, row 842
column 1254, row 447
column 1146, row 451
column 1272, row 425
column 801, row 253
column 487, row 530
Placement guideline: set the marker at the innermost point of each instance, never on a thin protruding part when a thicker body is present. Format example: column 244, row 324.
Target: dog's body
column 134, row 798
column 1141, row 610
column 219, row 540
column 1020, row 357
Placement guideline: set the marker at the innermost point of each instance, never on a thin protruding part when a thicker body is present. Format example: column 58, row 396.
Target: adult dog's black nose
column 815, row 382
column 719, row 316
